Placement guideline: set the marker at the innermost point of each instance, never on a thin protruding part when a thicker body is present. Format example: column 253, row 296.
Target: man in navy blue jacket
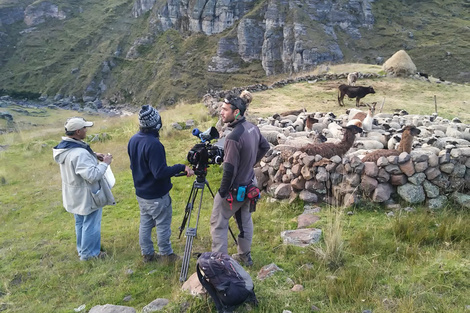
column 152, row 182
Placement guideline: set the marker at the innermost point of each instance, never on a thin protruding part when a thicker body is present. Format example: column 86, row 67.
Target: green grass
column 413, row 262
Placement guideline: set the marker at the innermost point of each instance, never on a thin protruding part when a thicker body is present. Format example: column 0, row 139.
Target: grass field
column 412, row 262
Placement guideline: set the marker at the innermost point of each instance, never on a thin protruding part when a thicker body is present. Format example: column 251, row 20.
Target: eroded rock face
column 11, row 15
column 286, row 36
column 37, row 13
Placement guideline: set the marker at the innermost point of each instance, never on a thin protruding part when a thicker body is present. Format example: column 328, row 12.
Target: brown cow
column 357, row 92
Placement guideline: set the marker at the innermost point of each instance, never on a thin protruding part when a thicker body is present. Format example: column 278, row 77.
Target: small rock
column 155, row 305
column 297, row 288
column 350, row 213
column 390, row 214
column 267, row 271
column 127, row 298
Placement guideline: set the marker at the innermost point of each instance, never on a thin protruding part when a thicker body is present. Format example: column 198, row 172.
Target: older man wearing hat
column 152, row 182
column 84, row 189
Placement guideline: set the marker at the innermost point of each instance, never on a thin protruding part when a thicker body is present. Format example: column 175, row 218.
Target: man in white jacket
column 84, row 189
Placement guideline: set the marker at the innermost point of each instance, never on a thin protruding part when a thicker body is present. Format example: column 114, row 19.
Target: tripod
column 191, row 232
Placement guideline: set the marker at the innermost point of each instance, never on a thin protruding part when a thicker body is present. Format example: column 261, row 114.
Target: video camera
column 203, row 154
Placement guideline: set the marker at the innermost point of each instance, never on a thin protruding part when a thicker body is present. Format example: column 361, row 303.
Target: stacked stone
column 220, row 94
column 416, row 178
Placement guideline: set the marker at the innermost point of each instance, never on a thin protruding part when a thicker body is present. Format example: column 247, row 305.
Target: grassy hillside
column 67, row 56
column 412, row 262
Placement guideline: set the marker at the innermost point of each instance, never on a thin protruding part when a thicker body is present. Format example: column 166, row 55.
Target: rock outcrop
column 37, row 13
column 286, row 36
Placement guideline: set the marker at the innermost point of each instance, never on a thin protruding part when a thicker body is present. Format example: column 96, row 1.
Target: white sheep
column 368, row 144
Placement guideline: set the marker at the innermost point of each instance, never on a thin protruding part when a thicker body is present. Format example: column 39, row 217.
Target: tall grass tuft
column 332, row 251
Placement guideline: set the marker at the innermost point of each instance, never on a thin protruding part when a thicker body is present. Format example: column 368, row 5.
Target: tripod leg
column 233, row 236
column 190, row 234
column 189, row 208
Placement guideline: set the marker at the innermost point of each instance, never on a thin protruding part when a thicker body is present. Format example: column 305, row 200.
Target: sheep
column 284, row 130
column 453, row 131
column 328, row 150
column 356, row 122
column 352, row 113
column 319, row 124
column 393, row 141
column 271, row 136
column 292, row 112
column 352, row 78
column 405, row 145
column 368, row 144
column 335, row 130
column 292, row 145
column 300, row 142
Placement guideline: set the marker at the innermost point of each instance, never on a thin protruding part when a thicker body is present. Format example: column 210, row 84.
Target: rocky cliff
column 165, row 50
column 286, row 36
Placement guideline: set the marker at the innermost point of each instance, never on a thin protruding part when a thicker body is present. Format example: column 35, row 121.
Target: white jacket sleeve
column 88, row 168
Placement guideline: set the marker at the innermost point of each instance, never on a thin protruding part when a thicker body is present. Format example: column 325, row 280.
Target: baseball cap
column 76, row 123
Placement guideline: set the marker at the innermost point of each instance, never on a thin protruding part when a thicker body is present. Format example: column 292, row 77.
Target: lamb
column 328, row 150
column 405, row 145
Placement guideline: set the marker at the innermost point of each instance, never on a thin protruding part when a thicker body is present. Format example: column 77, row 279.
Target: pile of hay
column 400, row 64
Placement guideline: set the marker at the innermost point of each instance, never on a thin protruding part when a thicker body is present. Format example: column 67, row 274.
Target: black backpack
column 228, row 284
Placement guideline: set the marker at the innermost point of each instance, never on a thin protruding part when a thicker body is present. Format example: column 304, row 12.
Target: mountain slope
column 164, row 51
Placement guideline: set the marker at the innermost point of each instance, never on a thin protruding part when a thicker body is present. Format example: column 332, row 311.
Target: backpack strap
column 210, row 289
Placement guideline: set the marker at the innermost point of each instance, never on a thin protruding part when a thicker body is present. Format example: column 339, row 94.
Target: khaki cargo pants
column 220, row 217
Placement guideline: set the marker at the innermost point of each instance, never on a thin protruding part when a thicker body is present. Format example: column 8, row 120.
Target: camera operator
column 243, row 148
column 152, row 182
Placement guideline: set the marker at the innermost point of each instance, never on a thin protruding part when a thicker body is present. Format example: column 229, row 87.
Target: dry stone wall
column 419, row 177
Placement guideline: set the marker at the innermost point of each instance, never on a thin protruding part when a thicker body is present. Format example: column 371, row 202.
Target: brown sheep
column 405, row 145
column 292, row 112
column 329, row 149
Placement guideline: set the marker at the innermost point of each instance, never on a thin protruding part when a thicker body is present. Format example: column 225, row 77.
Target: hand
column 108, row 158
column 189, row 171
column 100, row 156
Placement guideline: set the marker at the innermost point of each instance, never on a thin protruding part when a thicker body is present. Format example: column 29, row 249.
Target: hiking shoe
column 150, row 257
column 102, row 255
column 243, row 259
column 170, row 258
